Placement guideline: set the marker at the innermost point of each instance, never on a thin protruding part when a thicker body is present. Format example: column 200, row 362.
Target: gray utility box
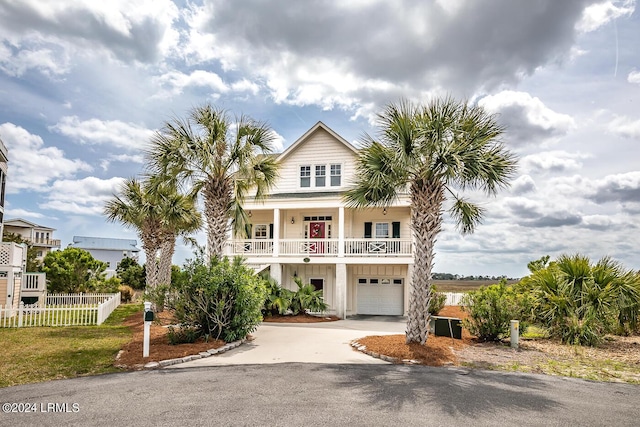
column 446, row 327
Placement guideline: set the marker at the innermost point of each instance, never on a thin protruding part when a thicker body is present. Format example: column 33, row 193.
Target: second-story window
column 321, row 175
column 382, row 230
column 260, row 231
column 336, row 174
column 305, row 176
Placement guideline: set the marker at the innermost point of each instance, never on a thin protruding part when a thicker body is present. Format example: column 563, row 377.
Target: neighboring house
column 15, row 283
column 38, row 236
column 362, row 259
column 108, row 250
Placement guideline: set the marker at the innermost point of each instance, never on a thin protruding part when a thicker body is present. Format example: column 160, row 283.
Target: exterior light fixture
column 249, row 214
column 293, row 220
column 384, row 211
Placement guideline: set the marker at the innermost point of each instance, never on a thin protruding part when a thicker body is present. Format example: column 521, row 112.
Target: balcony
column 321, row 247
column 33, row 283
column 12, row 254
column 47, row 243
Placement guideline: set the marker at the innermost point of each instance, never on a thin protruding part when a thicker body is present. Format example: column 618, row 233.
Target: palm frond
column 466, row 214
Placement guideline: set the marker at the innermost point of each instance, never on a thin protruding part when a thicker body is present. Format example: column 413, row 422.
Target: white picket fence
column 77, row 312
column 453, row 298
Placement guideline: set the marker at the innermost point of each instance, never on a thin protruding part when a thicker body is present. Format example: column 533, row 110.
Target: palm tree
column 160, row 214
column 223, row 161
column 429, row 151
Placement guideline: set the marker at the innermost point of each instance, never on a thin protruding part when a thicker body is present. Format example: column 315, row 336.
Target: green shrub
column 491, row 308
column 126, row 293
column 278, row 300
column 307, row 298
column 183, row 335
column 221, row 298
column 158, row 296
column 437, row 301
column 579, row 302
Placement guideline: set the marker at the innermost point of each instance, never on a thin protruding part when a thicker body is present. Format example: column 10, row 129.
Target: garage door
column 380, row 296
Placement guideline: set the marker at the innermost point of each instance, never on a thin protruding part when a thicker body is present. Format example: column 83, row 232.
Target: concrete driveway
column 306, row 343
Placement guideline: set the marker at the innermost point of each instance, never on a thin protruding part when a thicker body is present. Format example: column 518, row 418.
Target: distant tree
column 160, row 214
column 73, row 270
column 131, row 273
column 33, row 263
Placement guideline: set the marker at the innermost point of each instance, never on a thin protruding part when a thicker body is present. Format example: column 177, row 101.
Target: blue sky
column 83, row 84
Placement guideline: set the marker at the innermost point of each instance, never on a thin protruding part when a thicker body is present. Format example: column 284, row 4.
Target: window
column 321, row 175
column 39, row 253
column 336, row 174
column 382, row 230
column 260, row 231
column 305, row 176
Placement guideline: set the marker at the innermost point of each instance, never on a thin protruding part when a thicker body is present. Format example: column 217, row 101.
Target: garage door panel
column 380, row 299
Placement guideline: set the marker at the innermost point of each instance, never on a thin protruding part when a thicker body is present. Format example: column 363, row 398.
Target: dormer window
column 321, row 175
column 305, row 176
column 336, row 175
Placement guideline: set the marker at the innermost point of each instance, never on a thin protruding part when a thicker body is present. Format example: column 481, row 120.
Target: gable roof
column 300, row 141
column 19, row 222
column 86, row 242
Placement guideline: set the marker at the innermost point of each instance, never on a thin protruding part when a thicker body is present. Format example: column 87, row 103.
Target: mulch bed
column 300, row 318
column 159, row 348
column 438, row 351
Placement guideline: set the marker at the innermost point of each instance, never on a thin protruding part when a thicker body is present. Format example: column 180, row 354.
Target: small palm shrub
column 437, row 301
column 579, row 302
column 491, row 308
column 278, row 299
column 221, row 298
column 307, row 298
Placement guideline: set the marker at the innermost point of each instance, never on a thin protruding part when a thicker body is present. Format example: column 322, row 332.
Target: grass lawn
column 38, row 354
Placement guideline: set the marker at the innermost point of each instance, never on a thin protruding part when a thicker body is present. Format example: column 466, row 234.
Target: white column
column 341, row 231
column 276, row 232
column 275, row 271
column 341, row 290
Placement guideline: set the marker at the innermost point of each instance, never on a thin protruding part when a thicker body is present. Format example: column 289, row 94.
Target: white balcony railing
column 322, row 247
column 34, row 282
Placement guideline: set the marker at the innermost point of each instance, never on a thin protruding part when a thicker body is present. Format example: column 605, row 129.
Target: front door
column 317, row 230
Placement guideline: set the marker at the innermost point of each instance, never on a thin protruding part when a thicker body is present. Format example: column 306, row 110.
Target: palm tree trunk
column 217, row 198
column 150, row 247
column 166, row 256
column 426, row 218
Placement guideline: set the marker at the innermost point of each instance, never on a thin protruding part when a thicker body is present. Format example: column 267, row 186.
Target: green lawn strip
column 45, row 353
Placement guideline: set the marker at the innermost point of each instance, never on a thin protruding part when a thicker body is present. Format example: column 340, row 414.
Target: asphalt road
column 295, row 394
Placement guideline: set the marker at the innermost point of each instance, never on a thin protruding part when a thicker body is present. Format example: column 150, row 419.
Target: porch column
column 341, row 291
column 276, row 232
column 275, row 271
column 341, row 231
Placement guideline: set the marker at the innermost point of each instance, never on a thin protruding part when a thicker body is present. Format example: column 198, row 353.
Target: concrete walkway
column 327, row 342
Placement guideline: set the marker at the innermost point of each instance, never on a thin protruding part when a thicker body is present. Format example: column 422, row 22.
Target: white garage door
column 380, row 296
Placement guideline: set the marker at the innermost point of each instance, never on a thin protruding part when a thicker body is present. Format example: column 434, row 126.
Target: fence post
column 20, row 310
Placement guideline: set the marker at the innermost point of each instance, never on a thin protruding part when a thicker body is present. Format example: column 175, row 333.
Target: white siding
column 319, row 149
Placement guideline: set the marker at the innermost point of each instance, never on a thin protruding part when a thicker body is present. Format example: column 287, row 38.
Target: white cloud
column 85, row 196
column 128, row 136
column 601, row 13
column 278, row 142
column 174, row 82
column 32, row 164
column 553, row 161
column 528, row 120
column 626, row 127
column 634, row 77
column 47, row 35
column 309, row 55
column 523, row 184
column 623, row 188
column 21, row 213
